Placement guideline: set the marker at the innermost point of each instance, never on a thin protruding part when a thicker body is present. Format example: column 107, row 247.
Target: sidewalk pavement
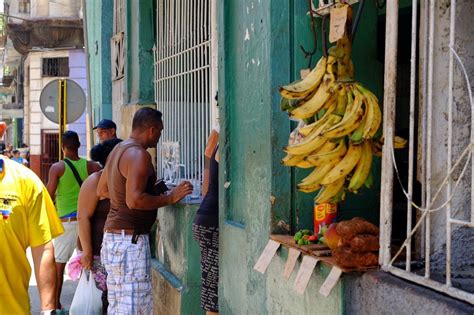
column 69, row 287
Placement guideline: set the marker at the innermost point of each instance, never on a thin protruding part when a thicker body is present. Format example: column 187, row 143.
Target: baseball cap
column 105, row 124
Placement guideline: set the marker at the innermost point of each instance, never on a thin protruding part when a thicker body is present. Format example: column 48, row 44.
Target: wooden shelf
column 319, row 251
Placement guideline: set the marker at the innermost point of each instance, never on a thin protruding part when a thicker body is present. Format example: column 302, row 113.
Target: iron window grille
column 183, row 86
column 55, row 67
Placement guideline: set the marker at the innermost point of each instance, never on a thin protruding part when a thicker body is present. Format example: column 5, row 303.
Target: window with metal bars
column 432, row 245
column 118, row 41
column 24, row 6
column 55, row 67
column 183, row 86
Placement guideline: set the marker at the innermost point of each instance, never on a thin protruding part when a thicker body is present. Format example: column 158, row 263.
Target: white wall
column 35, row 121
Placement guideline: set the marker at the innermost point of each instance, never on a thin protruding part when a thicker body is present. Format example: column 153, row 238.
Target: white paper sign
column 330, row 281
column 266, row 257
column 293, row 255
column 337, row 23
column 304, row 274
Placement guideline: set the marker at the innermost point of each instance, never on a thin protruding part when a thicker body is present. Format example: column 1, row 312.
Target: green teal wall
column 140, row 38
column 99, row 16
column 181, row 253
column 259, row 51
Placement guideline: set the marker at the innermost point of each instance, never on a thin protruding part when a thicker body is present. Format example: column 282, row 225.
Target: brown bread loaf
column 349, row 259
column 364, row 243
column 348, row 229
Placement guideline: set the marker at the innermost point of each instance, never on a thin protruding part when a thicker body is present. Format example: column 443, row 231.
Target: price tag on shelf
column 266, row 257
column 293, row 255
column 304, row 274
column 330, row 281
column 337, row 24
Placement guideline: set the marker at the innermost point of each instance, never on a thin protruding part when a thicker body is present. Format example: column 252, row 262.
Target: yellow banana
column 304, row 164
column 374, row 115
column 377, row 119
column 321, row 158
column 314, row 140
column 362, row 169
column 292, row 160
column 341, row 101
column 345, row 166
column 317, row 101
column 331, row 65
column 312, row 181
column 329, row 191
column 369, row 116
column 308, row 84
column 349, row 123
column 399, row 142
column 306, row 130
column 328, row 146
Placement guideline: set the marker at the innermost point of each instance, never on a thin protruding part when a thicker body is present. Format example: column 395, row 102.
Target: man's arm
column 86, row 206
column 45, row 272
column 92, row 167
column 53, row 179
column 102, row 187
column 137, row 167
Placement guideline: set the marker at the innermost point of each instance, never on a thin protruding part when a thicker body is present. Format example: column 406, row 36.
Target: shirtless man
column 128, row 181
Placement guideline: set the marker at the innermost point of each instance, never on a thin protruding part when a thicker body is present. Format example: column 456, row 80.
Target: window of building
column 118, row 41
column 427, row 225
column 24, row 6
column 183, row 86
column 55, row 67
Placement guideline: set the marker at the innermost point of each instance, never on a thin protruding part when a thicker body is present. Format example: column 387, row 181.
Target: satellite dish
column 75, row 101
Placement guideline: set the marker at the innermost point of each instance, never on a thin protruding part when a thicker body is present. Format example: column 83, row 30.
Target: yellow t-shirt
column 28, row 218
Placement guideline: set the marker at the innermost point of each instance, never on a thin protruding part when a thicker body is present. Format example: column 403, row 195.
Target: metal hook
column 315, row 38
column 323, row 35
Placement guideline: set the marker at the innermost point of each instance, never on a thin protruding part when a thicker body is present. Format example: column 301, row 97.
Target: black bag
column 74, row 171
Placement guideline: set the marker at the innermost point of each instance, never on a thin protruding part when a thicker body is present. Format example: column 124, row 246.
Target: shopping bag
column 87, row 298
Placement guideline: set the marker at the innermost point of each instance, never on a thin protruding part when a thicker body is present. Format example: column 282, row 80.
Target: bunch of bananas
column 341, row 120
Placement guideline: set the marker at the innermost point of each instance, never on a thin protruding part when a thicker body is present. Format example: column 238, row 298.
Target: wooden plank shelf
column 319, row 251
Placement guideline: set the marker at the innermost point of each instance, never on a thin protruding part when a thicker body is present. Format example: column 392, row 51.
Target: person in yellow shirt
column 28, row 218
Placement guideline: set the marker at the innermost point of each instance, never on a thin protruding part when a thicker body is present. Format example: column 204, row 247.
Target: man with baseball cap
column 106, row 130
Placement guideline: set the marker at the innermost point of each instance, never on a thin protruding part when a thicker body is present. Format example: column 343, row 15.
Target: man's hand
column 182, row 190
column 86, row 260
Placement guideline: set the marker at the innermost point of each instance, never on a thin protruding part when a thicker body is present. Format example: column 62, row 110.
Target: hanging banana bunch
column 342, row 120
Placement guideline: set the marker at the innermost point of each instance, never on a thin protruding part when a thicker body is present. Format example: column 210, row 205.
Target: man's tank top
column 120, row 216
column 68, row 188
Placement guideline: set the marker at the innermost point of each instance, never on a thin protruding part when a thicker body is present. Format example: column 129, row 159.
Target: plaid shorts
column 128, row 274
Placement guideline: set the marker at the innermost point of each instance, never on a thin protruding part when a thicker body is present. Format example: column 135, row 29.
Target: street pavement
column 69, row 287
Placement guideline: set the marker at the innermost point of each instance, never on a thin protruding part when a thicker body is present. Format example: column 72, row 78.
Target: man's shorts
column 65, row 244
column 128, row 269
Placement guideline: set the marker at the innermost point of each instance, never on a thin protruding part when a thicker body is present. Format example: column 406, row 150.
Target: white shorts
column 65, row 244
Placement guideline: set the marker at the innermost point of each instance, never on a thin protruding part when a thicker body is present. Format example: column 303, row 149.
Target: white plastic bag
column 87, row 299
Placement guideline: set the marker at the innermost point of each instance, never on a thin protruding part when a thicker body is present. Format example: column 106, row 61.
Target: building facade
column 175, row 57
column 46, row 38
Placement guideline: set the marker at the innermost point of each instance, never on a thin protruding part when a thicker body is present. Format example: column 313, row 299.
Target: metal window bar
column 119, row 16
column 55, row 67
column 183, row 86
column 430, row 203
